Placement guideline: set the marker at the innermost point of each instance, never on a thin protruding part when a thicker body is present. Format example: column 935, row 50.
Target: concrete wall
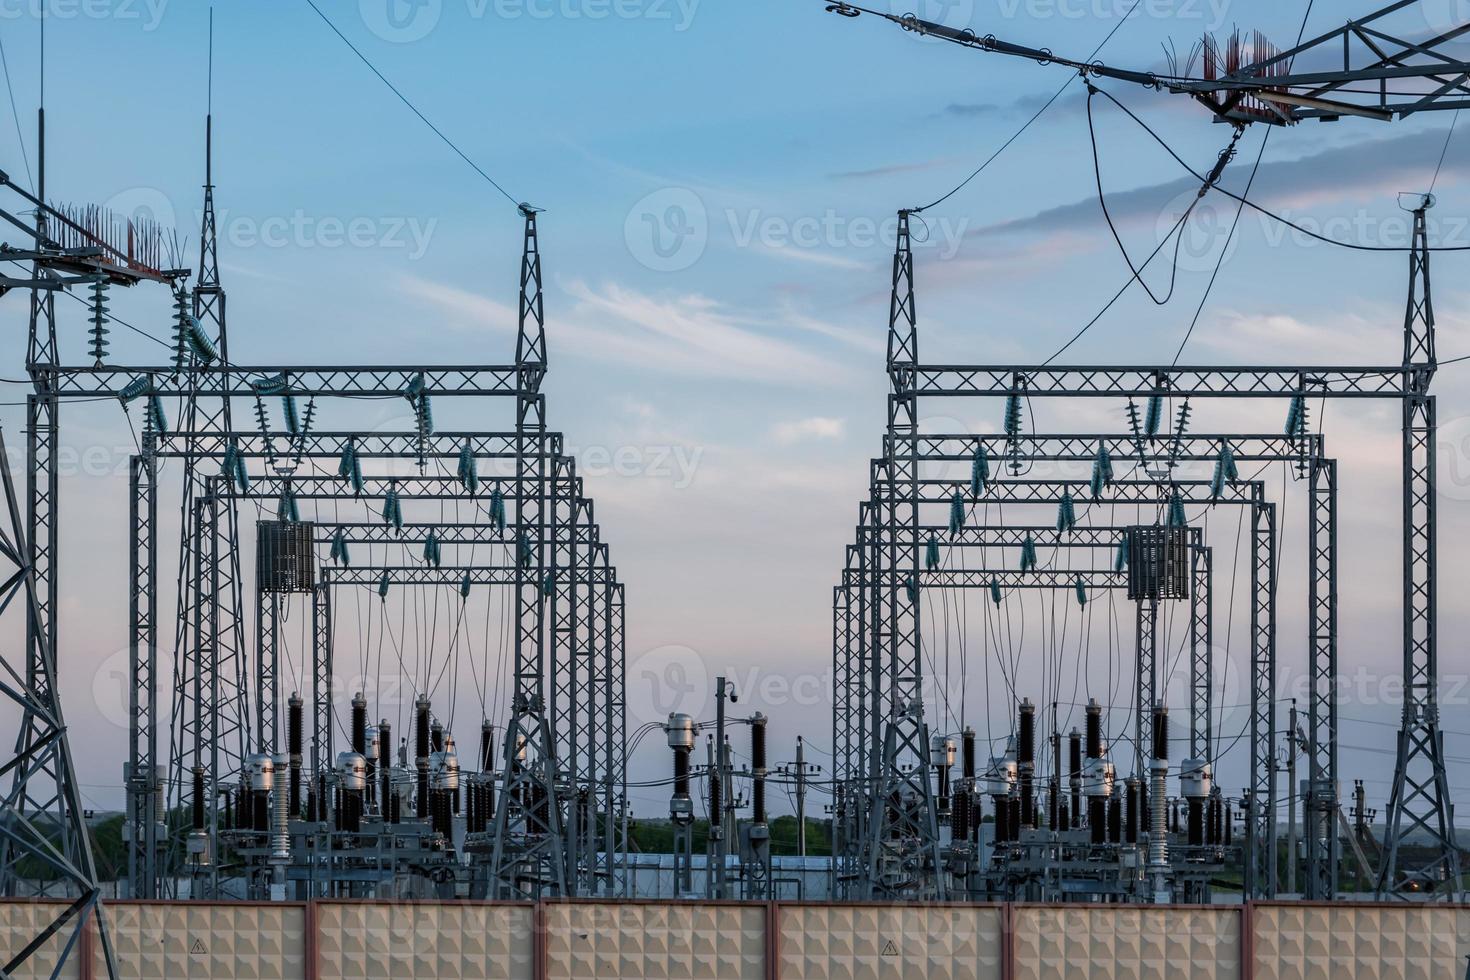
column 393, row 941
column 736, row 941
column 1123, row 943
column 162, row 941
column 847, row 942
column 1321, row 942
column 662, row 941
column 20, row 922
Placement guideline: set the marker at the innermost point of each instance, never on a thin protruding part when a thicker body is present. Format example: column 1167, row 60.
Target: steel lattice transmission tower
column 527, row 854
column 1420, row 801
column 901, row 852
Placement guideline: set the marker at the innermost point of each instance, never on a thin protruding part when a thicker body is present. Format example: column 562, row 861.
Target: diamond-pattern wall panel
column 667, row 941
column 158, row 941
column 1406, row 942
column 21, row 922
column 868, row 942
column 1127, row 943
column 451, row 941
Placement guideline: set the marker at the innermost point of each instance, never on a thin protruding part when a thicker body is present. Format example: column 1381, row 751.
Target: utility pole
column 800, row 798
column 719, row 829
column 1292, row 747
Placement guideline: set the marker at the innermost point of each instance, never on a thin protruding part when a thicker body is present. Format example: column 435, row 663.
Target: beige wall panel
column 888, row 943
column 669, row 941
column 445, row 942
column 21, row 922
column 174, row 942
column 1127, row 944
column 1325, row 943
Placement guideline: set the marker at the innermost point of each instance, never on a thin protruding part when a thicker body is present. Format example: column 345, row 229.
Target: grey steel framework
column 42, row 829
column 1421, row 800
column 555, row 524
column 860, row 678
column 577, row 729
column 1266, row 87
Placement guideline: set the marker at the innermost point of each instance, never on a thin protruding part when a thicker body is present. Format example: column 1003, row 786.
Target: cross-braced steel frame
column 860, row 678
column 580, row 720
column 885, row 619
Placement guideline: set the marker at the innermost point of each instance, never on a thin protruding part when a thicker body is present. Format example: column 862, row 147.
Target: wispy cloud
column 1365, row 172
column 804, row 430
column 891, row 169
column 686, row 334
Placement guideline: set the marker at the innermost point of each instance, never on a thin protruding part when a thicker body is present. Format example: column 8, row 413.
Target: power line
column 1239, row 210
column 412, row 108
column 1047, row 105
column 1446, row 149
column 19, row 135
column 1264, row 210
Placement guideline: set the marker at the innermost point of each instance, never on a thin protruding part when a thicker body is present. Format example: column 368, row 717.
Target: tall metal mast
column 901, row 850
column 527, row 854
column 1419, row 805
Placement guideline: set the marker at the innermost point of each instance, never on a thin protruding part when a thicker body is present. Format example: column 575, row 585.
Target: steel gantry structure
column 568, row 702
column 862, row 679
column 1382, row 72
column 888, row 606
column 563, row 754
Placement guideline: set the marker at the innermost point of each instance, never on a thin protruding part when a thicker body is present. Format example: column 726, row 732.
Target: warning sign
column 889, row 949
column 198, row 948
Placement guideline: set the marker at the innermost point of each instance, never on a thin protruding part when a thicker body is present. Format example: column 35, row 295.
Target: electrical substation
column 268, row 526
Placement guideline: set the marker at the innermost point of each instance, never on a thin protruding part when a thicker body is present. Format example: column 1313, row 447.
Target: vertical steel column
column 143, row 787
column 267, row 668
column 322, row 756
column 1261, row 858
column 205, row 410
column 533, row 863
column 1201, row 659
column 1323, row 847
column 1420, row 805
column 843, row 719
column 569, row 698
column 1146, row 693
column 616, row 832
column 904, row 830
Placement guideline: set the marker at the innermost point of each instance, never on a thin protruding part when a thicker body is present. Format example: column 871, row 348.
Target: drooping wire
column 412, row 108
column 1037, row 115
column 1355, row 246
column 1240, row 209
column 19, row 134
column 1446, row 149
column 1102, row 199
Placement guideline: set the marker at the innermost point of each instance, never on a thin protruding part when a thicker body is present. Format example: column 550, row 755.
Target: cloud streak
column 689, row 334
column 1366, row 171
